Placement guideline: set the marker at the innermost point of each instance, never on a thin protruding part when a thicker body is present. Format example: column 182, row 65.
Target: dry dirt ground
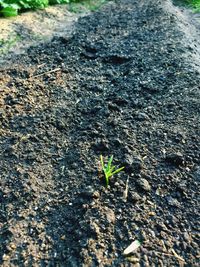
column 125, row 83
column 33, row 28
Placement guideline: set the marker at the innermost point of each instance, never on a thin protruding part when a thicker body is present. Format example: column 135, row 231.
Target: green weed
column 194, row 4
column 6, row 45
column 108, row 169
column 10, row 8
column 77, row 6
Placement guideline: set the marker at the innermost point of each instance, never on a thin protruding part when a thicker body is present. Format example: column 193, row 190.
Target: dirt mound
column 33, row 28
column 126, row 83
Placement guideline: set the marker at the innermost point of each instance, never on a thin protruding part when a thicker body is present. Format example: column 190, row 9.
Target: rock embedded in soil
column 197, row 173
column 141, row 116
column 134, row 197
column 132, row 163
column 94, row 229
column 101, row 146
column 173, row 202
column 89, row 192
column 175, row 158
column 133, row 259
column 144, row 184
column 110, row 215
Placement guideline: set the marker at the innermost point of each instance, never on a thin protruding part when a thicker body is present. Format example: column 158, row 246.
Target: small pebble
column 110, row 215
column 89, row 192
column 134, row 196
column 173, row 202
column 5, row 257
column 175, row 158
column 144, row 184
column 142, row 116
column 133, row 259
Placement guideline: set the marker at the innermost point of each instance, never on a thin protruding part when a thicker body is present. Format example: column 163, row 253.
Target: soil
column 125, row 83
column 33, row 28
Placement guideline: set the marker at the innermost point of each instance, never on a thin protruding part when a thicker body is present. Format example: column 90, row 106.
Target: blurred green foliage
column 9, row 8
column 194, row 4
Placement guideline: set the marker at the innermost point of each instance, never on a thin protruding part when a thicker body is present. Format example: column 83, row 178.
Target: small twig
column 176, row 255
column 125, row 195
column 171, row 255
column 41, row 65
column 46, row 72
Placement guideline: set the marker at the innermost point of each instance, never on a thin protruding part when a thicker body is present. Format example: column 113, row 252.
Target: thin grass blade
column 102, row 163
column 118, row 170
column 109, row 163
column 112, row 169
column 107, row 179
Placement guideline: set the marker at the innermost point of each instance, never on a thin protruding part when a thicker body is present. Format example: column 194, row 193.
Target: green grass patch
column 6, row 45
column 82, row 6
column 194, row 4
column 10, row 8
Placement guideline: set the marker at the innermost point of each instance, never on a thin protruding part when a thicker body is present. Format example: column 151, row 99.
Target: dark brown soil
column 125, row 84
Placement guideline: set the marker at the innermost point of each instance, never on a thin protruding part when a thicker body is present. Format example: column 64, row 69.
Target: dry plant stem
column 47, row 72
column 125, row 195
column 171, row 255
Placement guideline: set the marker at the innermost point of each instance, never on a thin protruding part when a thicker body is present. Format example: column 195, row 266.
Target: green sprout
column 108, row 169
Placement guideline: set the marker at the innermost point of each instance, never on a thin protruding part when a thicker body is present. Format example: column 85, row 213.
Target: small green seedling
column 108, row 169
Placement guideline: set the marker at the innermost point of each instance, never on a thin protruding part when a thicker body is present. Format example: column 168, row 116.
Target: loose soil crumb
column 125, row 83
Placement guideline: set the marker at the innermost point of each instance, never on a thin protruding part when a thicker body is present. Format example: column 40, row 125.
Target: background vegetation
column 194, row 4
column 9, row 8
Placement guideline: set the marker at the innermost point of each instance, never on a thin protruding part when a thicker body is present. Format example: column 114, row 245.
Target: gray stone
column 144, row 184
column 173, row 202
column 133, row 162
column 110, row 215
column 175, row 158
column 94, row 228
column 197, row 173
column 89, row 192
column 134, row 196
column 142, row 116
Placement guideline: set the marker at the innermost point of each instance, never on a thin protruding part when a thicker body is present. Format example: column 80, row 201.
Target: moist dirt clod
column 125, row 83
